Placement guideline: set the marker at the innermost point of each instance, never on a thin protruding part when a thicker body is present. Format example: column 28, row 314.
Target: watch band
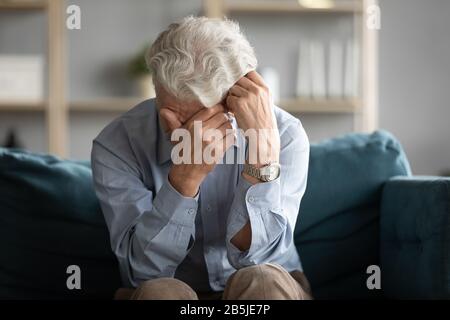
column 252, row 171
column 267, row 173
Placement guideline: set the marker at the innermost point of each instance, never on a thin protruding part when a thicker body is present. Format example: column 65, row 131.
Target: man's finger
column 169, row 120
column 247, row 84
column 217, row 148
column 238, row 91
column 231, row 102
column 219, row 133
column 206, row 113
column 256, row 78
column 216, row 121
column 226, row 128
column 226, row 143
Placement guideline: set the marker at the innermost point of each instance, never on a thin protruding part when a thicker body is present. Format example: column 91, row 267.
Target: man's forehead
column 187, row 108
column 166, row 99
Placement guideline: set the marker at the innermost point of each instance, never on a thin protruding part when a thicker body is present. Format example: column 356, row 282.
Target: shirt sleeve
column 271, row 207
column 150, row 232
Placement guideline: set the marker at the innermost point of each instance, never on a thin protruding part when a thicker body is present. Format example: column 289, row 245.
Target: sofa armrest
column 415, row 238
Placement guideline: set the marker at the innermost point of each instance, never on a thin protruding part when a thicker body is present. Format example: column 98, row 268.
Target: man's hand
column 249, row 100
column 187, row 177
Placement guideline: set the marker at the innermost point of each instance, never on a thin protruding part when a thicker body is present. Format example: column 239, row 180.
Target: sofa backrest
column 337, row 232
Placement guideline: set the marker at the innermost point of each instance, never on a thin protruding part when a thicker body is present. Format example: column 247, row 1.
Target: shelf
column 300, row 105
column 105, row 105
column 286, row 7
column 23, row 5
column 297, row 105
column 22, row 106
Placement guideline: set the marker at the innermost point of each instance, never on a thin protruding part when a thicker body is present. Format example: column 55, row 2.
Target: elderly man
column 184, row 230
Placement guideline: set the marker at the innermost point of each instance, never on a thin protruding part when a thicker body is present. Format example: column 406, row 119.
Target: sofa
column 362, row 208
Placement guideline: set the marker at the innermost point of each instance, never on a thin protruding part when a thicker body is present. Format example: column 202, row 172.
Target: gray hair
column 200, row 59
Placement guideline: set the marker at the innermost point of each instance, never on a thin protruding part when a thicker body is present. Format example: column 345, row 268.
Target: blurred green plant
column 137, row 66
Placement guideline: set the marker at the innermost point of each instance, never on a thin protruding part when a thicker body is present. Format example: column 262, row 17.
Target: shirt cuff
column 264, row 196
column 175, row 207
column 261, row 205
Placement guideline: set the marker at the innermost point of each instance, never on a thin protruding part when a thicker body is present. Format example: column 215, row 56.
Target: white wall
column 415, row 80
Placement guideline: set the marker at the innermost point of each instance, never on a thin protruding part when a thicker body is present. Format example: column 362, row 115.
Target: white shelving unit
column 57, row 108
column 364, row 108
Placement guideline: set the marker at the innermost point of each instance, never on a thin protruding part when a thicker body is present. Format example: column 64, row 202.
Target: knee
column 265, row 281
column 164, row 289
column 260, row 275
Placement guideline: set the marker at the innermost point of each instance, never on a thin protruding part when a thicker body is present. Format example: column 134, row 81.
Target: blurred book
column 304, row 77
column 328, row 71
column 318, row 82
column 352, row 72
column 272, row 79
column 335, row 70
column 21, row 78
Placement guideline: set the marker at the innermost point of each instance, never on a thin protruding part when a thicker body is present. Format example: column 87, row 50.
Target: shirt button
column 191, row 211
column 251, row 199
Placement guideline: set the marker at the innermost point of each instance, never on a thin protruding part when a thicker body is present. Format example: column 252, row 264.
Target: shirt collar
column 165, row 145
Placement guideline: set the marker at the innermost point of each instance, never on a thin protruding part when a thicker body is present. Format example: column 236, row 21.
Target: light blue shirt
column 156, row 232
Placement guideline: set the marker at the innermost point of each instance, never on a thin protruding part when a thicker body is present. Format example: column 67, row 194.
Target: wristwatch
column 266, row 174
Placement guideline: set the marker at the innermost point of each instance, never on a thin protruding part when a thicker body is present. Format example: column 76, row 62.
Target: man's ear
column 169, row 120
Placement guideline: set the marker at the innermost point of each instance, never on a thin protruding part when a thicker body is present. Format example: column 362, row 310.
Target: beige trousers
column 260, row 282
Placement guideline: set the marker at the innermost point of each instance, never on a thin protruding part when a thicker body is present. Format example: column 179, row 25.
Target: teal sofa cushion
column 337, row 232
column 50, row 219
column 415, row 238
